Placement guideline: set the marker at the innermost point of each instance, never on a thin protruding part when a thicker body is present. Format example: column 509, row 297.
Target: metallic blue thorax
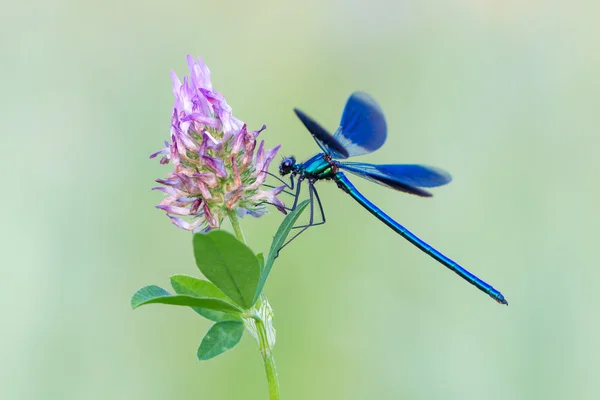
column 318, row 167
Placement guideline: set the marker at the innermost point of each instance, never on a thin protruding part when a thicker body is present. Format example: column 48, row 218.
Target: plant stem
column 269, row 361
column 235, row 223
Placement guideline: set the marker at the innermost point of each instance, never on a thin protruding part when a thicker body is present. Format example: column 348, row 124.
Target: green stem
column 235, row 223
column 269, row 361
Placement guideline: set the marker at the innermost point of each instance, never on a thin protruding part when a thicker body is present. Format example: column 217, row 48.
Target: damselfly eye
column 287, row 165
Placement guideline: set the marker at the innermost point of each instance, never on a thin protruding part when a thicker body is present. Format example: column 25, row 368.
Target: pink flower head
column 215, row 170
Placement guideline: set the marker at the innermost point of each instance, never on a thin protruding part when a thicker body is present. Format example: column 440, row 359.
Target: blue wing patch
column 363, row 128
column 409, row 178
column 326, row 142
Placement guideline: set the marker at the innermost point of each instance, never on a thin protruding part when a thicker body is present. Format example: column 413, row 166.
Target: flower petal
column 174, row 210
column 232, row 197
column 209, row 218
column 195, row 206
column 166, row 189
column 199, row 73
column 270, row 196
column 262, row 165
column 202, row 119
column 215, row 164
column 238, row 140
column 237, row 179
column 230, row 124
column 184, row 224
column 209, row 178
column 256, row 213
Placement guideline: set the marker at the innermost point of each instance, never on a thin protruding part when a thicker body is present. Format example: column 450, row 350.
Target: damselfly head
column 287, row 165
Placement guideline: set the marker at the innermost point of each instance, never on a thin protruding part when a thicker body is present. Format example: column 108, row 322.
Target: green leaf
column 183, row 284
column 188, row 285
column 221, row 337
column 261, row 261
column 279, row 240
column 154, row 294
column 229, row 264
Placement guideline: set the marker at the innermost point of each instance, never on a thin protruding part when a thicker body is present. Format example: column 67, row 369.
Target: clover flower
column 216, row 168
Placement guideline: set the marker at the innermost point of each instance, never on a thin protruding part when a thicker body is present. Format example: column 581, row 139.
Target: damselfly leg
column 313, row 194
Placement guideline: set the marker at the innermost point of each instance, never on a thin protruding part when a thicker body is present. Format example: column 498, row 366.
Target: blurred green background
column 503, row 94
